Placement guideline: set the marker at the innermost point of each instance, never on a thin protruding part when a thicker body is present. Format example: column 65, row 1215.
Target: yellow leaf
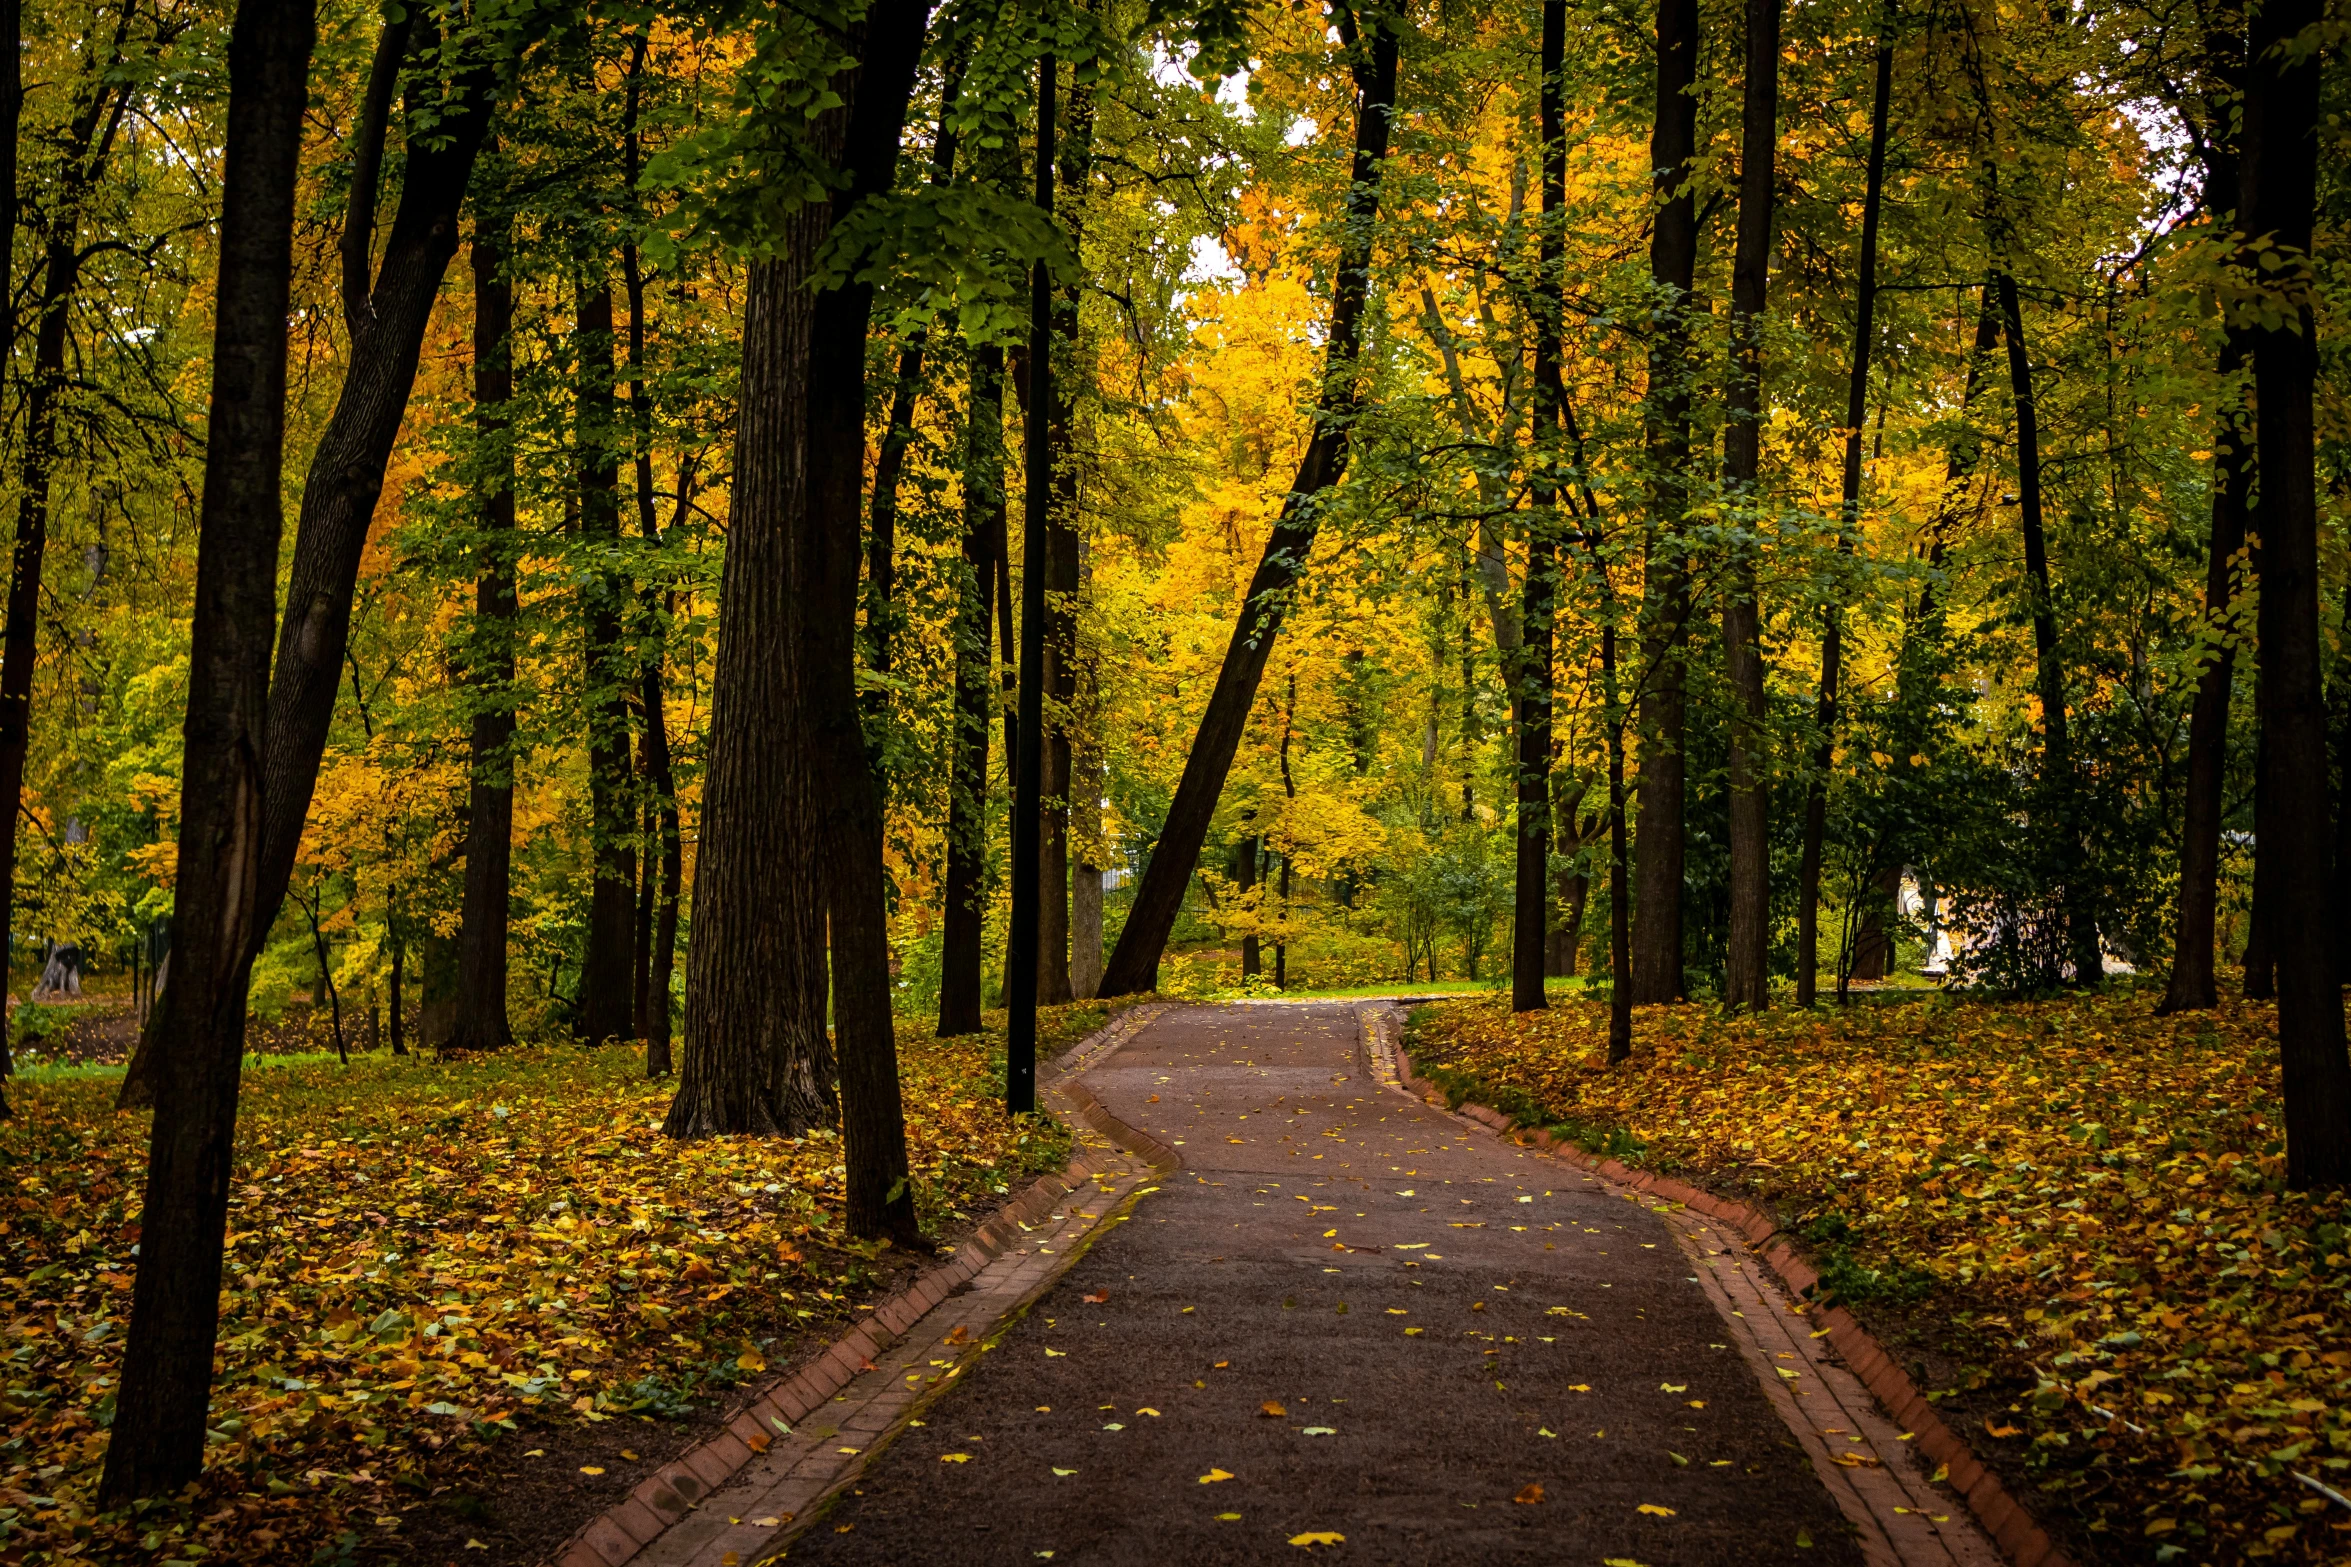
column 1215, row 1475
column 1530, row 1494
column 1318, row 1537
column 955, row 1458
column 1655, row 1511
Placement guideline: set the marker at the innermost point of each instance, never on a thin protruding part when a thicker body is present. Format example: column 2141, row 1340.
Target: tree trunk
column 882, row 614
column 399, row 1001
column 481, row 1022
column 11, row 110
column 961, row 959
column 1134, row 965
column 1245, row 882
column 2281, row 177
column 1665, row 599
column 1054, row 985
column 1746, row 973
column 2194, row 986
column 661, row 920
column 1530, row 670
column 1832, row 642
column 839, row 772
column 344, row 482
column 791, row 821
column 156, row 1444
column 606, row 1007
column 89, row 139
column 2058, row 785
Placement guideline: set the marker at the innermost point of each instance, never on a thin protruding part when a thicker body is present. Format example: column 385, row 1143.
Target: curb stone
column 662, row 1499
column 2008, row 1523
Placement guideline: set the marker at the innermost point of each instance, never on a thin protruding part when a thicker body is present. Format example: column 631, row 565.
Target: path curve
column 1348, row 1316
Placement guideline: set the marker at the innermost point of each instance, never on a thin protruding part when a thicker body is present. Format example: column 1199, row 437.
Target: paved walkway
column 1353, row 1326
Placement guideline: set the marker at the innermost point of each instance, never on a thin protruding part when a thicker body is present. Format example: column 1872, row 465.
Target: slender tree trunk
column 1531, row 676
column 399, row 1002
column 345, row 480
column 606, row 992
column 660, row 920
column 1075, row 160
column 961, row 960
column 1245, row 881
column 1747, row 969
column 2058, row 785
column 481, row 1022
column 838, row 769
column 1832, row 643
column 367, row 164
column 156, row 1444
column 89, row 139
column 1665, row 599
column 2194, row 985
column 1134, row 964
column 11, row 111
column 2281, row 179
column 883, row 617
column 1085, row 821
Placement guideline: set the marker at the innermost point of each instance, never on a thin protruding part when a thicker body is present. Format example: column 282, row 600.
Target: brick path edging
column 2021, row 1539
column 669, row 1493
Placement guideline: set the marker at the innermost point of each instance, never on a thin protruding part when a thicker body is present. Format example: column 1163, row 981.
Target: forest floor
column 448, row 1281
column 2067, row 1218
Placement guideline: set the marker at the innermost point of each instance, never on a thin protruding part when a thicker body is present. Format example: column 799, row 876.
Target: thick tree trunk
column 1530, row 670
column 1134, row 965
column 1665, row 598
column 1746, row 976
column 757, row 1056
column 1832, row 642
column 962, row 961
column 11, row 111
column 156, row 1444
column 2281, row 178
column 2059, row 787
column 606, row 1005
column 481, row 1022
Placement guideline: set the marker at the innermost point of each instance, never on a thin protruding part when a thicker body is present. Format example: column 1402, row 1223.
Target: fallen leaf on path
column 1993, row 1430
column 1319, row 1431
column 1272, row 1407
column 1065, row 1471
column 1153, row 1413
column 1095, row 1297
column 1852, row 1460
column 590, row 1469
column 1228, row 1517
column 1655, row 1511
column 1215, row 1475
column 1318, row 1537
column 1579, row 1387
column 1529, row 1496
column 1679, row 1461
column 1546, row 1431
column 774, row 1522
column 1680, row 1387
column 955, row 1458
column 1057, row 1354
column 959, row 1334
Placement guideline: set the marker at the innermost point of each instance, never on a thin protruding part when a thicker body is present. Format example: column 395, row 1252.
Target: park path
column 1351, row 1325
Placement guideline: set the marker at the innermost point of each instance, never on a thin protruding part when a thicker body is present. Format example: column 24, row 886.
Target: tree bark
column 1665, row 598
column 481, row 1022
column 606, row 1003
column 660, row 920
column 841, row 773
column 11, row 111
column 1245, row 880
column 367, row 162
column 2281, row 179
column 1832, row 643
column 1531, row 677
column 1134, row 964
column 1746, row 975
column 2058, row 784
column 89, row 139
column 1075, row 161
column 961, row 960
column 157, row 1440
column 2194, row 984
